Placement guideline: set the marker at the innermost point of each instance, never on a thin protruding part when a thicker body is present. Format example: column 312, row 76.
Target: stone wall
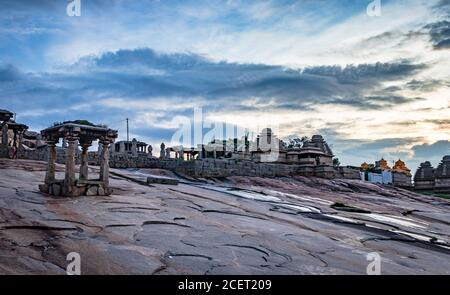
column 442, row 185
column 130, row 161
column 202, row 167
column 402, row 180
column 230, row 167
column 41, row 154
column 424, row 185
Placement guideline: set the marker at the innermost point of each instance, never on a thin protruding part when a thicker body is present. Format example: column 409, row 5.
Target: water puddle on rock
column 264, row 198
column 302, row 198
column 243, row 194
column 406, row 222
column 305, row 209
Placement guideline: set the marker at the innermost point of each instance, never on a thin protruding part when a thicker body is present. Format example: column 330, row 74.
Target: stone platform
column 81, row 188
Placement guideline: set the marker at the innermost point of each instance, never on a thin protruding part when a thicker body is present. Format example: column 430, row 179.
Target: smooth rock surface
column 240, row 225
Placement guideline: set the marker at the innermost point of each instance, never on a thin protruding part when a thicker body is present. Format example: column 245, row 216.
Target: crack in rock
column 41, row 227
column 232, row 213
column 120, row 209
column 120, row 225
column 157, row 222
column 171, row 255
column 248, row 247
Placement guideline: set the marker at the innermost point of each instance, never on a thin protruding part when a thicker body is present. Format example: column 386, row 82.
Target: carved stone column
column 51, row 165
column 70, row 178
column 104, row 162
column 84, row 168
column 5, row 133
column 134, row 147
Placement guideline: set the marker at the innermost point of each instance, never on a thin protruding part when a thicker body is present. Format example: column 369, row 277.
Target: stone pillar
column 84, row 168
column 203, row 152
column 162, row 153
column 21, row 139
column 134, row 147
column 70, row 178
column 104, row 166
column 15, row 139
column 5, row 133
column 51, row 165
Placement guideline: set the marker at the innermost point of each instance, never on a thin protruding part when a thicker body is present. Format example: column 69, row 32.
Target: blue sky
column 372, row 85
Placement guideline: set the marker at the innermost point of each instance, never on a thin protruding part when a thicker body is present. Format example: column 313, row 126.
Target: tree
column 336, row 162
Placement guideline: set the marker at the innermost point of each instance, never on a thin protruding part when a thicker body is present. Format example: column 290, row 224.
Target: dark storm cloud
column 380, row 144
column 426, row 85
column 440, row 34
column 9, row 73
column 352, row 74
column 375, row 102
column 144, row 75
column 437, row 149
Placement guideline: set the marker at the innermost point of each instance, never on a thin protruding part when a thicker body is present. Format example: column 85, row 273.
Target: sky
column 373, row 85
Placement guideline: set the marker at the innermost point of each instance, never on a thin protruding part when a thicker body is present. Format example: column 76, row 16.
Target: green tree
column 336, row 162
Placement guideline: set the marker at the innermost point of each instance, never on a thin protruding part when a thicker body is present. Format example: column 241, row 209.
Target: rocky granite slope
column 238, row 225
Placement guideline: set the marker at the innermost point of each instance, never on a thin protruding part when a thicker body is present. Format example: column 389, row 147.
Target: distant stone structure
column 32, row 140
column 268, row 148
column 11, row 134
column 442, row 176
column 162, row 153
column 83, row 134
column 134, row 147
column 399, row 175
column 432, row 179
column 268, row 156
column 424, row 177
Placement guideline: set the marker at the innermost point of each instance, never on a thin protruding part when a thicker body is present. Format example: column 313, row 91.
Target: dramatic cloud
column 145, row 74
column 437, row 149
column 375, row 86
column 440, row 34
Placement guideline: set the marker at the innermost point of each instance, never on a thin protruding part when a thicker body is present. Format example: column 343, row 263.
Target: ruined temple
column 424, row 177
column 436, row 180
column 77, row 134
column 399, row 175
column 133, row 147
column 365, row 166
column 442, row 176
column 382, row 164
column 11, row 134
column 314, row 152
